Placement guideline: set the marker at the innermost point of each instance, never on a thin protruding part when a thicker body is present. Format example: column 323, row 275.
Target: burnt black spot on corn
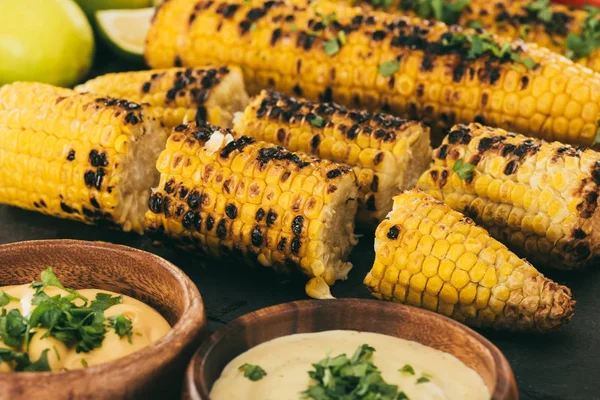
column 71, row 155
column 502, row 98
column 284, row 211
column 197, row 94
column 539, row 197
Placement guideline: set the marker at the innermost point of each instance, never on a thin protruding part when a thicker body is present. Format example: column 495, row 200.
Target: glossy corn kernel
column 481, row 285
column 540, row 198
column 295, row 51
column 387, row 153
column 238, row 197
column 77, row 156
column 176, row 95
column 510, row 19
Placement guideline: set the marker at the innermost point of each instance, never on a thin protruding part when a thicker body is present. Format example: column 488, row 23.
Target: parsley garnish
column 442, row 10
column 408, row 368
column 402, row 396
column 105, row 301
column 21, row 359
column 582, row 45
column 524, row 31
column 6, row 298
column 252, row 372
column 380, row 3
column 84, row 363
column 541, row 9
column 342, row 37
column 388, row 68
column 480, row 44
column 40, row 365
column 317, row 121
column 328, row 18
column 475, row 24
column 294, row 28
column 349, row 378
column 13, row 327
column 122, row 326
column 252, row 28
column 331, row 46
column 49, row 279
column 424, row 378
column 463, row 170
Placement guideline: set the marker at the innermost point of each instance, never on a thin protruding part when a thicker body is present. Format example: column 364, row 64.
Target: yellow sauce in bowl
column 147, row 326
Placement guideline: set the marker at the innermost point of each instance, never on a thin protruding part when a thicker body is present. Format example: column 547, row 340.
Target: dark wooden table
column 561, row 366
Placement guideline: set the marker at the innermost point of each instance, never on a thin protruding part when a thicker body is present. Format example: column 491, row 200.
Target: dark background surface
column 560, row 366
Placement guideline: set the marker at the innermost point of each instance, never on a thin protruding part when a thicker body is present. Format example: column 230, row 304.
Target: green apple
column 92, row 6
column 48, row 41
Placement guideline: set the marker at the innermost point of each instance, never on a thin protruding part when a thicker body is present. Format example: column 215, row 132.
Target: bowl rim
column 505, row 380
column 191, row 323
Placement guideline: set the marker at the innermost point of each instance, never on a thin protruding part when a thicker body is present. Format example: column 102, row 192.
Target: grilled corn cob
column 410, row 67
column 175, row 95
column 240, row 197
column 387, row 153
column 77, row 156
column 540, row 22
column 541, row 198
column 430, row 256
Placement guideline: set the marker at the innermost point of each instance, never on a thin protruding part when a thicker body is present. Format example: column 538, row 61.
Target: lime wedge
column 125, row 30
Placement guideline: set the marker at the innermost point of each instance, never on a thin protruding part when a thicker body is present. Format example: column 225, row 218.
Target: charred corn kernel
column 176, row 95
column 60, row 154
column 510, row 19
column 386, row 153
column 548, row 226
column 238, row 215
column 401, row 58
column 476, row 289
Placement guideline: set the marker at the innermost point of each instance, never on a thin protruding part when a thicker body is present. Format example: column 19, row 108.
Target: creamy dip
column 148, row 326
column 288, row 359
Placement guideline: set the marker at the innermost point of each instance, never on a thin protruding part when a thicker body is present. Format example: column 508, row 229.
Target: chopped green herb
column 408, row 368
column 402, row 396
column 49, row 279
column 379, row 3
column 6, row 298
column 84, row 363
column 56, row 352
column 104, row 301
column 475, row 24
column 329, row 18
column 388, row 68
column 21, row 359
column 480, row 44
column 541, row 9
column 331, row 46
column 317, row 121
column 424, row 378
column 247, row 2
column 13, row 327
column 341, row 377
column 524, row 31
column 342, row 37
column 252, row 27
column 312, row 33
column 463, row 170
column 582, row 45
column 122, row 326
column 294, row 28
column 442, row 10
column 253, row 372
column 40, row 365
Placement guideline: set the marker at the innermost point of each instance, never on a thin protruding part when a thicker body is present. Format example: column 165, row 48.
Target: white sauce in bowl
column 288, row 359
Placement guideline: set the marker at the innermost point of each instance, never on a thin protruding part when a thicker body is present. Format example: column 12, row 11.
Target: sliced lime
column 125, row 30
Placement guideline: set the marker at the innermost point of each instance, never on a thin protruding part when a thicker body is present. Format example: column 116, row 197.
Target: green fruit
column 44, row 40
column 91, row 6
column 125, row 31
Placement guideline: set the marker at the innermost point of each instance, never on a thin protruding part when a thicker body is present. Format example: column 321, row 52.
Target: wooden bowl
column 154, row 372
column 353, row 314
